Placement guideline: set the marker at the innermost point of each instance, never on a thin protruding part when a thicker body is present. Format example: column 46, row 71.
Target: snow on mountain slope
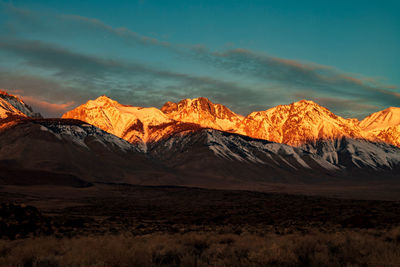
column 12, row 105
column 196, row 136
column 238, row 148
column 298, row 123
column 81, row 133
column 72, row 147
column 390, row 135
column 381, row 119
column 356, row 153
column 383, row 126
column 203, row 112
column 294, row 124
column 219, row 153
column 72, row 131
column 128, row 122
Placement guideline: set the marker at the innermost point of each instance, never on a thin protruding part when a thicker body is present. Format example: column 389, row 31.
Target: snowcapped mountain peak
column 102, row 101
column 203, row 112
column 304, row 102
column 4, row 94
column 196, row 101
column 382, row 119
column 13, row 105
column 383, row 125
column 302, row 107
column 309, row 106
column 195, row 104
column 128, row 122
column 298, row 123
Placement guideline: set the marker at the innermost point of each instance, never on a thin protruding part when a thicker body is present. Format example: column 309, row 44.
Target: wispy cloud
column 47, row 96
column 296, row 75
column 122, row 79
column 267, row 80
column 120, row 32
column 50, row 109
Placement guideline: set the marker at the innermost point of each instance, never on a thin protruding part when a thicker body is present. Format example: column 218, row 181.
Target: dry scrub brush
column 345, row 248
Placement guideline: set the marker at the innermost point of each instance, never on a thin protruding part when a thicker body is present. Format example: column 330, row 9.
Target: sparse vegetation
column 346, row 248
column 173, row 226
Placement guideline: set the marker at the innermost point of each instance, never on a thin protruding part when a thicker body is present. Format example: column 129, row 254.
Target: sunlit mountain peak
column 296, row 124
column 13, row 105
column 382, row 119
column 203, row 112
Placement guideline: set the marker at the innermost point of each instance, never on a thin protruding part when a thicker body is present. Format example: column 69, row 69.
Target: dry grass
column 169, row 226
column 345, row 248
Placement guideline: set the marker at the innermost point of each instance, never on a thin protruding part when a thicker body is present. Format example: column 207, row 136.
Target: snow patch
column 78, row 134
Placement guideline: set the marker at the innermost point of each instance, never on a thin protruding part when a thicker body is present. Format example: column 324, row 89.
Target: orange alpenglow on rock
column 385, row 125
column 295, row 124
column 11, row 105
column 203, row 112
column 128, row 122
column 299, row 123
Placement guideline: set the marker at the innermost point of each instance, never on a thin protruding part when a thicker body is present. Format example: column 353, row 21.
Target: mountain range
column 196, row 142
column 296, row 124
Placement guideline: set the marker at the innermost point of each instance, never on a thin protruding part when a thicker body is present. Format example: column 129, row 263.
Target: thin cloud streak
column 290, row 73
column 289, row 76
column 120, row 32
column 73, row 69
column 260, row 66
column 297, row 75
column 50, row 109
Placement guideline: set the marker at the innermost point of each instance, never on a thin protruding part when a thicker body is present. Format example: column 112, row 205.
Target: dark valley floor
column 172, row 226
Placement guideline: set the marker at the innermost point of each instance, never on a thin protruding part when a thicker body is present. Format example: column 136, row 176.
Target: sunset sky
column 248, row 55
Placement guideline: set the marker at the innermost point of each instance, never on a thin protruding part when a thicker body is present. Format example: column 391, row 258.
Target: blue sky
column 249, row 55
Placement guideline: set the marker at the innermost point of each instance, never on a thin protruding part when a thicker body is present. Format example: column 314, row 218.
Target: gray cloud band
column 94, row 73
